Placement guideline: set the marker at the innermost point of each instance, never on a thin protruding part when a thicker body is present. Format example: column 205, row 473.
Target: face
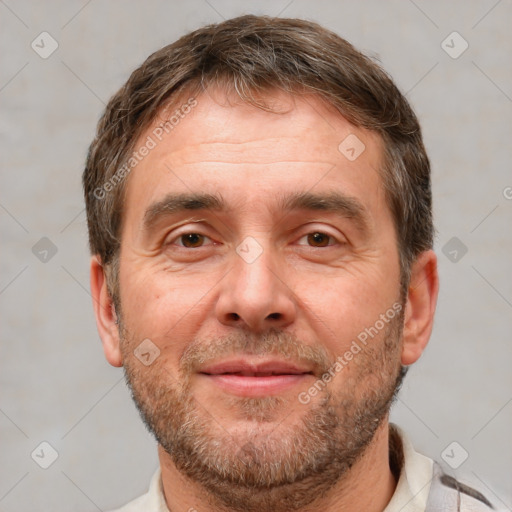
column 259, row 263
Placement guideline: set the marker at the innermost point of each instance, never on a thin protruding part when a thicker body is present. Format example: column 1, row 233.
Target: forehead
column 222, row 117
column 223, row 143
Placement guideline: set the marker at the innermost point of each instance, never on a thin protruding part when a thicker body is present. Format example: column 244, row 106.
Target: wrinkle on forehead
column 216, row 125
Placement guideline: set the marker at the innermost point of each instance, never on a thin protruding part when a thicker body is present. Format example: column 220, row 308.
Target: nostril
column 235, row 316
column 275, row 316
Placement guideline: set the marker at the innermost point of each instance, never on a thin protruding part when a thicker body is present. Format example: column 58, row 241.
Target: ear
column 420, row 306
column 105, row 314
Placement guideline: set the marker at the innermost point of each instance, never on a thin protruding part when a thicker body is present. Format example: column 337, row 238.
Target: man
column 259, row 210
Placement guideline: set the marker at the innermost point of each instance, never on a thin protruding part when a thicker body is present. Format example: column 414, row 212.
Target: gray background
column 56, row 385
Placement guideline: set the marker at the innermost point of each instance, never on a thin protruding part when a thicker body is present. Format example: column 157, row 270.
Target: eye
column 190, row 240
column 318, row 239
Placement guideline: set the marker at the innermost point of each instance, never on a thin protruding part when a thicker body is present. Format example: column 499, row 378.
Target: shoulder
column 448, row 493
column 424, row 486
column 137, row 505
column 152, row 501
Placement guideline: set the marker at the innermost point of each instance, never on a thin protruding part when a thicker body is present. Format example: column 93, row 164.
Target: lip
column 243, row 377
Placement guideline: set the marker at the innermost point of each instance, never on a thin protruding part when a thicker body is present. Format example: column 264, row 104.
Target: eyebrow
column 332, row 202
column 177, row 203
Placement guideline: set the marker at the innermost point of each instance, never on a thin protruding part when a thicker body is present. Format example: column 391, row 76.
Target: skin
column 176, row 295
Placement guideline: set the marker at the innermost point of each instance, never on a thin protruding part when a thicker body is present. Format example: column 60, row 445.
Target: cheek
column 167, row 309
column 342, row 308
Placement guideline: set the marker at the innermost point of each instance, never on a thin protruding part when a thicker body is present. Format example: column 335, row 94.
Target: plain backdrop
column 55, row 385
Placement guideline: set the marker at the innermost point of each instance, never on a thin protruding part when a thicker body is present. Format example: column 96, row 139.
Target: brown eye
column 191, row 240
column 318, row 239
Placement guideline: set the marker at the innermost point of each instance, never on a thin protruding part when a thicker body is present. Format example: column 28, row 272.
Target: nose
column 254, row 295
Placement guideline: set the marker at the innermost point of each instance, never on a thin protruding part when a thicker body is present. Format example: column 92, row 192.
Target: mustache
column 285, row 346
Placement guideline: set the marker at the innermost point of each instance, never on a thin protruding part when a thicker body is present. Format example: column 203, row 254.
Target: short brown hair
column 253, row 55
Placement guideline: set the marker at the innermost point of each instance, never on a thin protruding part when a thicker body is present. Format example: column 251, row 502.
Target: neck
column 368, row 485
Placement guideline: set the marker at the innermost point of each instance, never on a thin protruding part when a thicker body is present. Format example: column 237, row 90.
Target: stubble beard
column 270, row 464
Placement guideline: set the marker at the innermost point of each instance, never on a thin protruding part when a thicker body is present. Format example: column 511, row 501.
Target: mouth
column 243, row 377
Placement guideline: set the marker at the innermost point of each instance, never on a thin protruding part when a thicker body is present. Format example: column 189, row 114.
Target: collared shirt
column 415, row 474
column 152, row 501
column 421, row 486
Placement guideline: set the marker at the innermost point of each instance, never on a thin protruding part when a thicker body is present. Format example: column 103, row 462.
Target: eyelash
column 181, row 235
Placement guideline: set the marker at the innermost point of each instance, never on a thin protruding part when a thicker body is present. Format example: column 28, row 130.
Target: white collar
column 416, row 473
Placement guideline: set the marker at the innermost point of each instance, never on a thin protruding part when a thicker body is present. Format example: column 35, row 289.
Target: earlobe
column 420, row 306
column 106, row 320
